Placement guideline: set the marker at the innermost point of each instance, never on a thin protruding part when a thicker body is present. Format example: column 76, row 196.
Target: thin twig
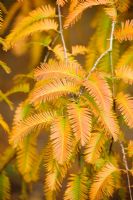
column 111, row 145
column 48, row 52
column 112, row 75
column 61, row 33
column 127, row 169
column 111, row 60
column 104, row 53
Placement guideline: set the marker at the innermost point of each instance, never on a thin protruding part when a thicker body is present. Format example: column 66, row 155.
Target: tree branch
column 112, row 75
column 104, row 53
column 111, row 59
column 61, row 33
column 127, row 169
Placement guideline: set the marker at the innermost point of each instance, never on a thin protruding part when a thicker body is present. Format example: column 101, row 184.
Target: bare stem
column 104, row 53
column 61, row 33
column 48, row 52
column 112, row 75
column 111, row 60
column 127, row 169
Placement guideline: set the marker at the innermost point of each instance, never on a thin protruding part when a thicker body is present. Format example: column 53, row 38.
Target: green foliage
column 5, row 67
column 4, row 187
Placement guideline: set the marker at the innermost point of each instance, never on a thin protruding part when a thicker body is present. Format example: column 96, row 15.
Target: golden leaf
column 80, row 120
column 94, row 147
column 56, row 70
column 125, row 105
column 125, row 73
column 125, row 32
column 33, row 122
column 103, row 184
column 61, row 139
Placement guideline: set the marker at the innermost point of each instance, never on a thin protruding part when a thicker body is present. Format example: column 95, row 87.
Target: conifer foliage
column 80, row 108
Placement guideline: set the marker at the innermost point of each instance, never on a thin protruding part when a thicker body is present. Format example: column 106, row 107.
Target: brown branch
column 104, row 53
column 127, row 169
column 61, row 33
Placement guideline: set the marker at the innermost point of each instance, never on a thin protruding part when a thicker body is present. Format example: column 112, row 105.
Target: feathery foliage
column 103, row 184
column 130, row 148
column 27, row 157
column 23, row 128
column 1, row 19
column 80, row 120
column 61, row 139
column 58, row 70
column 5, row 67
column 38, row 20
column 4, row 187
column 125, row 32
column 78, row 49
column 53, row 90
column 74, row 15
column 77, row 187
column 125, row 105
column 4, row 124
column 61, row 2
column 54, row 173
column 94, row 147
column 125, row 74
column 99, row 89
